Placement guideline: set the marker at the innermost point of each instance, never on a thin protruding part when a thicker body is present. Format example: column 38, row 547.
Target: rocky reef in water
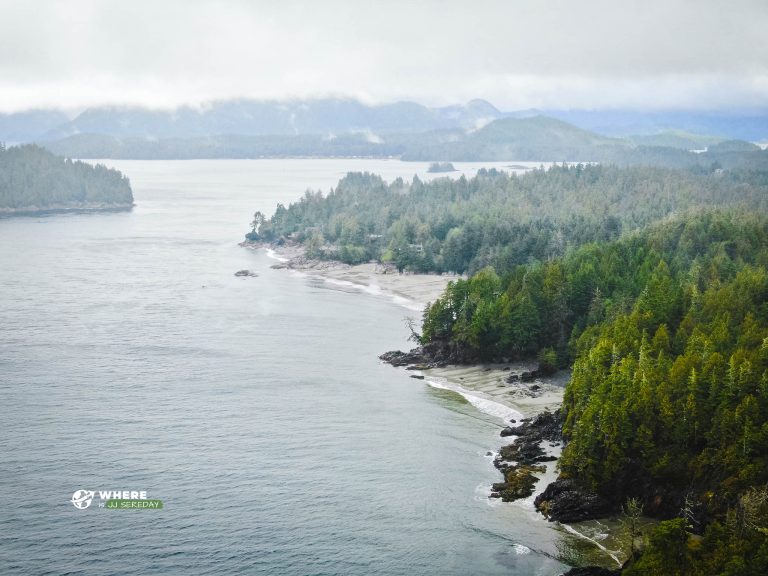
column 520, row 461
column 564, row 500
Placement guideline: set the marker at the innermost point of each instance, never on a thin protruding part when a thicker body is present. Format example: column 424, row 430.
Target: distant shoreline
column 64, row 208
column 412, row 291
column 486, row 386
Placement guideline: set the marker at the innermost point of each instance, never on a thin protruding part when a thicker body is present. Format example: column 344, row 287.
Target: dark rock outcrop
column 246, row 273
column 432, row 355
column 520, row 460
column 546, row 426
column 525, row 376
column 398, row 358
column 520, row 482
column 565, row 501
column 543, row 371
column 526, row 448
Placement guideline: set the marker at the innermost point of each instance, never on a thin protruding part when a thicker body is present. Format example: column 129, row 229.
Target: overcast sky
column 516, row 54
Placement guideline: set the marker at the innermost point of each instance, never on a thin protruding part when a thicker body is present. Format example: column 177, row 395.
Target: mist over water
column 131, row 358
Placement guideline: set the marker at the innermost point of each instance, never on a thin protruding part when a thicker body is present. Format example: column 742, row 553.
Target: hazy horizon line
column 209, row 103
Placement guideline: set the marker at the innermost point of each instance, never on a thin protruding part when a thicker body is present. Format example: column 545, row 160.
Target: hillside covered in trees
column 652, row 284
column 496, row 219
column 668, row 401
column 32, row 179
column 531, row 138
column 667, row 332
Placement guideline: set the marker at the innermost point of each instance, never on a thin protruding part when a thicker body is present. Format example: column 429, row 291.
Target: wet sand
column 489, row 381
column 413, row 291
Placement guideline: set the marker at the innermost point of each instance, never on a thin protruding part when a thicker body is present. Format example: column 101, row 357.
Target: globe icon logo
column 82, row 499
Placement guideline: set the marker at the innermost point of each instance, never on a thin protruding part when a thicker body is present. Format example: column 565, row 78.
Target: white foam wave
column 485, row 405
column 521, row 550
column 272, row 254
column 483, row 495
column 375, row 290
column 371, row 289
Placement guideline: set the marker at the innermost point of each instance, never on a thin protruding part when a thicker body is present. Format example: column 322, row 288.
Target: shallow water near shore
column 255, row 408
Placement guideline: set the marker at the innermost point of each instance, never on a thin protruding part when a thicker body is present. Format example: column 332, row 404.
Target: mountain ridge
column 334, row 116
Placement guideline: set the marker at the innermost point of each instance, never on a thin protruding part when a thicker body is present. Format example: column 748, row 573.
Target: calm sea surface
column 131, row 358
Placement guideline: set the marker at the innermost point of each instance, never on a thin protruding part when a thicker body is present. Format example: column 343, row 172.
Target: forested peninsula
column 650, row 283
column 496, row 218
column 34, row 180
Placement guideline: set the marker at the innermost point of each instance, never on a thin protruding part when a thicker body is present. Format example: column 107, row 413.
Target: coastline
column 528, row 446
column 523, row 407
column 515, row 403
column 488, row 381
column 412, row 291
column 61, row 208
column 485, row 386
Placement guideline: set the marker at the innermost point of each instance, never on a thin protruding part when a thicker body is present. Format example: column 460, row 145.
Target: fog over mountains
column 334, row 116
column 328, row 117
column 476, row 130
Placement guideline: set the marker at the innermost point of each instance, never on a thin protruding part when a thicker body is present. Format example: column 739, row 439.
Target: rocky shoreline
column 520, row 461
column 523, row 461
column 536, row 438
column 433, row 355
column 522, row 387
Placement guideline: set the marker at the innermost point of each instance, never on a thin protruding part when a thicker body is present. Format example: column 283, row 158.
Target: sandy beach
column 490, row 382
column 412, row 291
column 483, row 384
column 487, row 388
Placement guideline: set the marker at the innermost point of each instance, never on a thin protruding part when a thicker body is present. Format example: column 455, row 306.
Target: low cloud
column 555, row 54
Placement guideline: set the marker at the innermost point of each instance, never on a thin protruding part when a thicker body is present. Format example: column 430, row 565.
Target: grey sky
column 517, row 54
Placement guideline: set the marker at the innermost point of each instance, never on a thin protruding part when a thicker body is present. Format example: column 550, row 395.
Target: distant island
column 346, row 128
column 34, row 180
column 530, row 139
column 437, row 167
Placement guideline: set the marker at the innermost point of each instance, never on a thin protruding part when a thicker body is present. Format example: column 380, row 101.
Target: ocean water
column 256, row 409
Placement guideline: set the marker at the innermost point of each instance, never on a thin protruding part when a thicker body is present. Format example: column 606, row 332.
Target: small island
column 437, row 167
column 34, row 180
